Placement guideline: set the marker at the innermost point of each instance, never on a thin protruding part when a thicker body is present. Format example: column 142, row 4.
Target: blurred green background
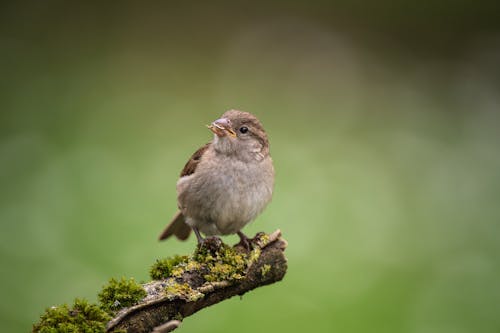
column 384, row 127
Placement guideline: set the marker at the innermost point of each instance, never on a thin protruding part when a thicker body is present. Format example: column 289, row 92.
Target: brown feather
column 176, row 227
column 193, row 162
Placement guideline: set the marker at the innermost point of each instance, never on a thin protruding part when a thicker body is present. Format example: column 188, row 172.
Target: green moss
column 121, row 293
column 162, row 268
column 175, row 290
column 183, row 267
column 265, row 269
column 225, row 264
column 253, row 256
column 217, row 261
column 263, row 239
column 81, row 317
column 178, row 317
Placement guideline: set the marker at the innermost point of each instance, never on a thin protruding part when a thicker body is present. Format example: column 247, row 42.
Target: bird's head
column 240, row 134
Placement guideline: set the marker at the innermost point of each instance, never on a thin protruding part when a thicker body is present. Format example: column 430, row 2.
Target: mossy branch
column 215, row 272
column 180, row 286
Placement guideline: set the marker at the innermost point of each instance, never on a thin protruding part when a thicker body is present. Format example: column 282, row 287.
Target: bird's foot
column 210, row 244
column 245, row 242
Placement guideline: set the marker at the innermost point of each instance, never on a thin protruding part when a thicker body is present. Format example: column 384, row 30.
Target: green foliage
column 121, row 293
column 81, row 317
column 162, row 268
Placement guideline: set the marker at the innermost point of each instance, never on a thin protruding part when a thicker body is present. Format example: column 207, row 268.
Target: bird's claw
column 245, row 242
column 210, row 244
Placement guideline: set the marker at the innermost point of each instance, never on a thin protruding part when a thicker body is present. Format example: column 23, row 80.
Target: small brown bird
column 226, row 183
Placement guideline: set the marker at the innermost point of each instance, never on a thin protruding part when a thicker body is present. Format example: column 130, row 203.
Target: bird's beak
column 222, row 126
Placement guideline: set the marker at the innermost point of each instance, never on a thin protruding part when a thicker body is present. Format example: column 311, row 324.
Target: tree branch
column 163, row 312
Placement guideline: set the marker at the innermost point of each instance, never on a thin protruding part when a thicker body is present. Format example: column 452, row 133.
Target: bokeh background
column 384, row 124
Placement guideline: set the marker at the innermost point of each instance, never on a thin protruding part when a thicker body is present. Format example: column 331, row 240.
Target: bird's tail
column 177, row 227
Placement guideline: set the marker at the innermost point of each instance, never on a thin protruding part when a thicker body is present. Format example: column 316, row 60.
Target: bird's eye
column 243, row 129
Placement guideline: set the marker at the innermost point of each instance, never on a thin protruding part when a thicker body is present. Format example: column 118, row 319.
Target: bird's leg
column 244, row 241
column 198, row 235
column 210, row 244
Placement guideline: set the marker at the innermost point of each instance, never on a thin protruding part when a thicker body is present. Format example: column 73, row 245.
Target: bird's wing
column 193, row 162
column 178, row 226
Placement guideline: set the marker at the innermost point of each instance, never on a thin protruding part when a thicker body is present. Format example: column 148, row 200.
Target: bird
column 226, row 183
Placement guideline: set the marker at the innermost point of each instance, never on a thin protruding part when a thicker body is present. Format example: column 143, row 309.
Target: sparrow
column 226, row 183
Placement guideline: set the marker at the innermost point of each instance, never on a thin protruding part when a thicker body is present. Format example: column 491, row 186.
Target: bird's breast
column 227, row 192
